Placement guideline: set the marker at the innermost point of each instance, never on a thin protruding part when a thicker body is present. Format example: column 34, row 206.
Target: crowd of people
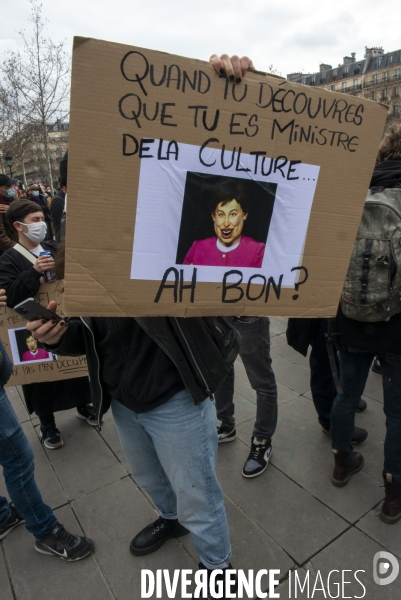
column 171, row 411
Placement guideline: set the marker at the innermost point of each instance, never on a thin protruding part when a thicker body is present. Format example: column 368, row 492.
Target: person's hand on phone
column 44, row 263
column 48, row 332
column 234, row 67
column 3, row 298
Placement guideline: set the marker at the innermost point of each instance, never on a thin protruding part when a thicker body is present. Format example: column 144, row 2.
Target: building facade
column 32, row 161
column 376, row 77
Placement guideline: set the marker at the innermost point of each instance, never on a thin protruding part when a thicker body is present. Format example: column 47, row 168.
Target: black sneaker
column 226, row 433
column 10, row 522
column 152, row 537
column 65, row 545
column 50, row 436
column 86, row 413
column 220, row 577
column 258, row 459
column 358, row 436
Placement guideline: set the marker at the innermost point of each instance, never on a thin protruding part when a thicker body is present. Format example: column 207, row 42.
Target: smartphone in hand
column 32, row 310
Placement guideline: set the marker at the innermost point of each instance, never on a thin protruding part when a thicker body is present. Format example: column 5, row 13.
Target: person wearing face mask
column 21, row 273
column 7, row 195
column 36, row 195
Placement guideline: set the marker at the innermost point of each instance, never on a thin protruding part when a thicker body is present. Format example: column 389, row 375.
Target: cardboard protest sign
column 32, row 363
column 189, row 195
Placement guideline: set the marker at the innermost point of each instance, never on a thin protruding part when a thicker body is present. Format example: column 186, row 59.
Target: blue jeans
column 255, row 354
column 354, row 373
column 16, row 458
column 172, row 452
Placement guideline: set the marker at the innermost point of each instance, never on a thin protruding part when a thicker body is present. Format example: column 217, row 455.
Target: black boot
column 391, row 509
column 346, row 463
column 152, row 537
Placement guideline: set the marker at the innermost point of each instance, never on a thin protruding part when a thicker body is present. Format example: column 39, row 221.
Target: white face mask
column 36, row 231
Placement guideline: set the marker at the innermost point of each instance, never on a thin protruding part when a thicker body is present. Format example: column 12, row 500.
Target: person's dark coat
column 22, row 281
column 202, row 349
column 56, row 210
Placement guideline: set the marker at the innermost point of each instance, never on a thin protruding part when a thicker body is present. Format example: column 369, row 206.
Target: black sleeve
column 73, row 341
column 300, row 333
column 56, row 210
column 18, row 279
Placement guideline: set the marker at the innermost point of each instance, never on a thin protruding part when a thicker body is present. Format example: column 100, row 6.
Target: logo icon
column 385, row 568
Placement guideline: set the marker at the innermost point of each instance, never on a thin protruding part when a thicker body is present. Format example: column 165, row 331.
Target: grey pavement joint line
column 252, row 520
column 110, row 448
column 8, row 570
column 95, row 559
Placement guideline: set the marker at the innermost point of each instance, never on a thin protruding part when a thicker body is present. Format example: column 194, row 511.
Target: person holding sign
column 21, row 273
column 229, row 210
column 27, row 506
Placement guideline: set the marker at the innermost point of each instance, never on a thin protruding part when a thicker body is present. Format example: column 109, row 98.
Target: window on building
column 396, row 110
column 334, row 72
column 355, row 82
column 333, row 88
column 397, row 90
column 345, row 72
column 374, row 79
column 343, row 86
column 379, row 62
column 313, row 80
column 373, row 96
column 384, row 93
column 303, row 80
column 390, row 59
column 397, row 73
column 385, row 76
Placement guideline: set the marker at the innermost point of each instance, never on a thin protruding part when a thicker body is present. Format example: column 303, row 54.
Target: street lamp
column 9, row 162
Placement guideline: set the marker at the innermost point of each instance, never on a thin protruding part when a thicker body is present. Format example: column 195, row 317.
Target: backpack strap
column 365, row 270
column 28, row 255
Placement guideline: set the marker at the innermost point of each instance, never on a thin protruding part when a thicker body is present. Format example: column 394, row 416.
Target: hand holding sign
column 3, row 297
column 234, row 68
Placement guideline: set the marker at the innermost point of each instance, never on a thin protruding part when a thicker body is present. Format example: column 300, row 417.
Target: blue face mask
column 36, row 194
column 11, row 192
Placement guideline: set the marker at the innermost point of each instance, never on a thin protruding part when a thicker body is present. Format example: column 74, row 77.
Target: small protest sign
column 190, row 195
column 32, row 362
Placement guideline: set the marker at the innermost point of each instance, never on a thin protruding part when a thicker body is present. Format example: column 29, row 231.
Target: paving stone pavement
column 291, row 518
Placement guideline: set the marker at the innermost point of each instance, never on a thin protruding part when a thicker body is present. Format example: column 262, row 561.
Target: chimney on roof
column 323, row 68
column 372, row 52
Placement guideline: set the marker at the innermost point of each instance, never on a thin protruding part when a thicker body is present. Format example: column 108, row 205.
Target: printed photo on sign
column 27, row 349
column 225, row 221
column 218, row 210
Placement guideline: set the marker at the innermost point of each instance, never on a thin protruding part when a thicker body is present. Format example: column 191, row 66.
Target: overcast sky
column 293, row 36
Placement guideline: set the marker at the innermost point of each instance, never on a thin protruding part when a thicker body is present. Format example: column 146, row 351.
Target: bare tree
column 39, row 74
column 17, row 132
column 272, row 69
